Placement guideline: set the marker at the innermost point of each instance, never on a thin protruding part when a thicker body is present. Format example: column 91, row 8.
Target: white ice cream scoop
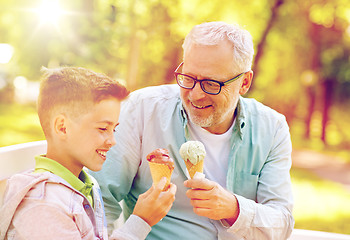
column 193, row 151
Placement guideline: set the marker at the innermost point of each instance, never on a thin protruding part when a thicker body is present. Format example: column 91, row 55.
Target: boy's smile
column 102, row 153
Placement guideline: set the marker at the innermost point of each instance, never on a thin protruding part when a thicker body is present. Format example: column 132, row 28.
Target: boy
column 78, row 111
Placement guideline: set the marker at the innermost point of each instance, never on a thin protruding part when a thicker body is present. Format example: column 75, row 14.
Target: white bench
column 20, row 157
column 300, row 234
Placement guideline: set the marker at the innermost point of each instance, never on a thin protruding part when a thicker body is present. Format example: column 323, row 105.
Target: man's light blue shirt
column 258, row 170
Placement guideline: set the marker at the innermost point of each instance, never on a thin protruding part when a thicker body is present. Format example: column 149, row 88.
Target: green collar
column 83, row 184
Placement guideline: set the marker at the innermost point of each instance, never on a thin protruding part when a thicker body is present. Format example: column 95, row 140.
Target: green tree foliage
column 305, row 70
column 138, row 41
column 302, row 46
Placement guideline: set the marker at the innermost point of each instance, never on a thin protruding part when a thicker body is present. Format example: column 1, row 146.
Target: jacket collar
column 240, row 125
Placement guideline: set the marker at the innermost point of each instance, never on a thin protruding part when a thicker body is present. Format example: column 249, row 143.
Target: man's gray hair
column 212, row 33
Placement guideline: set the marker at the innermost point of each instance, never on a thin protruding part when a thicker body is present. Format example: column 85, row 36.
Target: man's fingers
column 205, row 212
column 199, row 203
column 198, row 194
column 202, row 183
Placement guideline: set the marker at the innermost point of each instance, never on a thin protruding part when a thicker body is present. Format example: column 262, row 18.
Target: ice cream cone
column 193, row 168
column 158, row 171
column 193, row 153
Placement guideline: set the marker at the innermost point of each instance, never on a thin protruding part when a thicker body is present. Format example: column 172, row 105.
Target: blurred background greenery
column 301, row 66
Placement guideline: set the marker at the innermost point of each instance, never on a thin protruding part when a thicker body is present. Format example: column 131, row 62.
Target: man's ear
column 60, row 125
column 247, row 81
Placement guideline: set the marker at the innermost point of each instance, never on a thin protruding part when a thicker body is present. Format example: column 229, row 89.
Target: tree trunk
column 311, row 93
column 134, row 50
column 173, row 59
column 327, row 97
column 315, row 64
column 261, row 44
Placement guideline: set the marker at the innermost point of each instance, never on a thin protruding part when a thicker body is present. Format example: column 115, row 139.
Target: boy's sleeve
column 133, row 229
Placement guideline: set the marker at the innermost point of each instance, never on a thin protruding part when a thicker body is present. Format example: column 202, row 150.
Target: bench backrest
column 18, row 158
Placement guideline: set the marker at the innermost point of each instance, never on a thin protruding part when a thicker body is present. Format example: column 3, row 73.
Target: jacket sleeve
column 133, row 229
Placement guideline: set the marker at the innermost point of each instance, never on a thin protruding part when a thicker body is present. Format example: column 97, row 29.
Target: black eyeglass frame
column 200, row 81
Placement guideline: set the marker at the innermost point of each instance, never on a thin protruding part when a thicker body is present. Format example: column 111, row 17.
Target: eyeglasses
column 209, row 86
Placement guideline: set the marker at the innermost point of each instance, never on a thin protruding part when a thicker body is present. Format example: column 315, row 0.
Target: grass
column 320, row 204
column 19, row 124
column 338, row 140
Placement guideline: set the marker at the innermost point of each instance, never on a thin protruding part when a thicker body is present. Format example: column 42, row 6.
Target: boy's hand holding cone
column 161, row 165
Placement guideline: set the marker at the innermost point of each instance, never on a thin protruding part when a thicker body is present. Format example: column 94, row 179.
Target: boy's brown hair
column 72, row 91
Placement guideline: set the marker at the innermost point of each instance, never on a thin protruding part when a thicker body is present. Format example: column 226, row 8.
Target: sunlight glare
column 49, row 11
column 6, row 52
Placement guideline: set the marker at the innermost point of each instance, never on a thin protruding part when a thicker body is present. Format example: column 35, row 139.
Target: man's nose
column 197, row 92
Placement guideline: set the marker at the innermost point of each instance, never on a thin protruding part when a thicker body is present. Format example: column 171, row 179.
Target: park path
column 325, row 166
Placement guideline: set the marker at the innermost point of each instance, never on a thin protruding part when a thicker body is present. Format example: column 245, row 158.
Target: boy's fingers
column 169, row 195
column 172, row 188
column 157, row 188
column 161, row 184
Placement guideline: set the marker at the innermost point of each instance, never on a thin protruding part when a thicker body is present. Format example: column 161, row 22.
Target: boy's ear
column 247, row 81
column 60, row 125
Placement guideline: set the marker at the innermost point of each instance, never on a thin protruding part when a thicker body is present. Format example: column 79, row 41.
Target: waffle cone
column 193, row 168
column 158, row 171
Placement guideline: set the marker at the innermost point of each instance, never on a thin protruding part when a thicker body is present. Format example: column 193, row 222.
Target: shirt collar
column 240, row 118
column 184, row 120
column 83, row 184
